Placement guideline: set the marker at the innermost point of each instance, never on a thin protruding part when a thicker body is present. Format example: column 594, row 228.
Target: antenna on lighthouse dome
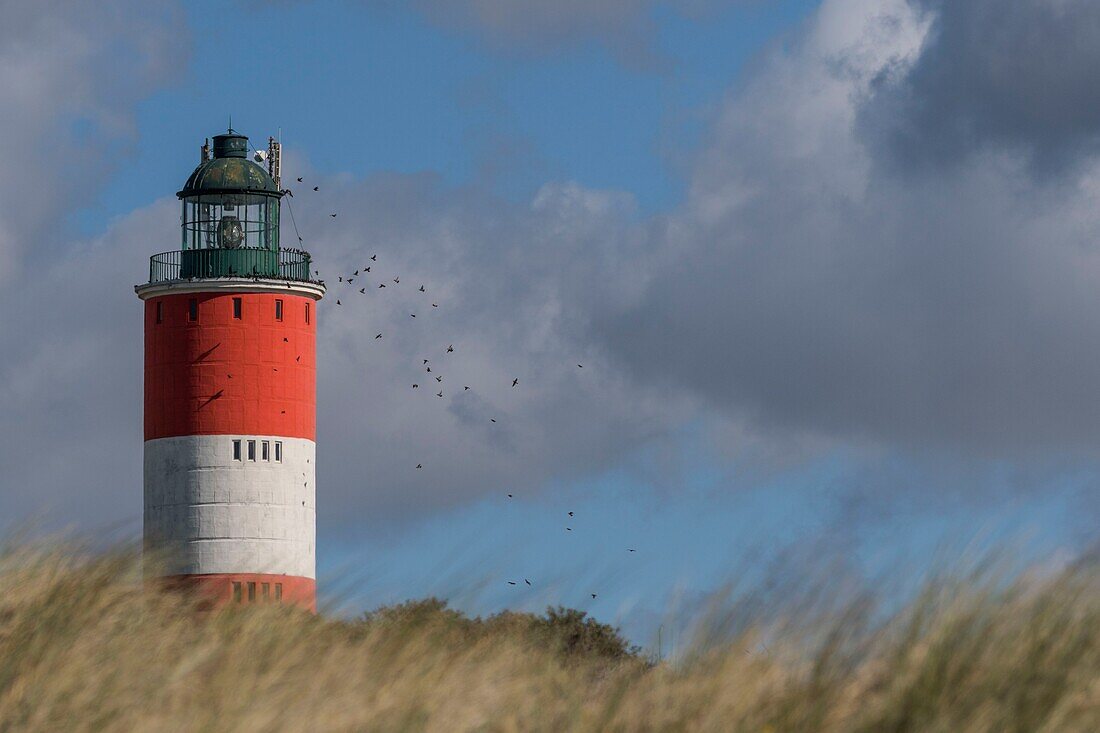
column 273, row 156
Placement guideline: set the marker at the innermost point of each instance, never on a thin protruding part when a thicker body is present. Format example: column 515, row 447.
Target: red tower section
column 223, row 374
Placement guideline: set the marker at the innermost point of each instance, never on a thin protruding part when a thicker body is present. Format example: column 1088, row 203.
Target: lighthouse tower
column 230, row 384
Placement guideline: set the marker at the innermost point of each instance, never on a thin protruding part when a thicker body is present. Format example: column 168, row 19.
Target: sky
column 830, row 267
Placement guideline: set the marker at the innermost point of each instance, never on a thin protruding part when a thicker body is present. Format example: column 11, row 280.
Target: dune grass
column 83, row 647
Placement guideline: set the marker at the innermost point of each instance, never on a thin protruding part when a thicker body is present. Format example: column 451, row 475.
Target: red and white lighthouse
column 230, row 391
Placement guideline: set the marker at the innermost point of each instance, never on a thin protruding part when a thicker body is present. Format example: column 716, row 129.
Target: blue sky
column 362, row 90
column 800, row 324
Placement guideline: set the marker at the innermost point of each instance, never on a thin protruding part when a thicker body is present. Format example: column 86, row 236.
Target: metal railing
column 193, row 264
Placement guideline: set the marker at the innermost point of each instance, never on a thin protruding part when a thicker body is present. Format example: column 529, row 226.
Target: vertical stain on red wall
column 220, row 375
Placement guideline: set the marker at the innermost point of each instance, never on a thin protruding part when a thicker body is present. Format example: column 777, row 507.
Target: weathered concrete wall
column 210, row 513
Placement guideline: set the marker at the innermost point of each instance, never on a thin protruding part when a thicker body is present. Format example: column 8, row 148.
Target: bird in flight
column 333, row 215
column 465, row 388
column 493, row 419
column 355, row 273
column 439, row 394
column 362, row 290
column 378, row 336
column 511, row 582
column 450, row 349
column 631, row 549
column 439, row 378
column 316, row 188
column 568, row 529
column 374, row 258
column 570, row 513
column 593, row 595
column 416, row 386
column 509, row 496
column 397, row 280
column 381, row 285
column 337, row 301
column 413, row 315
column 528, row 582
column 351, row 280
column 435, row 305
column 580, row 366
column 419, row 466
column 299, row 179
column 422, row 288
column 515, row 382
column 425, row 361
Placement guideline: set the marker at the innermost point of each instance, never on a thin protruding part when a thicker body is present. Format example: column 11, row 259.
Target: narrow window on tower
column 193, row 309
column 265, row 450
column 278, row 591
column 278, row 451
column 236, row 450
column 278, row 310
column 252, row 592
column 237, row 308
column 236, row 592
column 160, row 311
column 307, row 314
column 265, row 591
column 251, row 450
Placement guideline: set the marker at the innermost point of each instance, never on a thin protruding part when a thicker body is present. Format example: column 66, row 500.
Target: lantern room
column 230, row 218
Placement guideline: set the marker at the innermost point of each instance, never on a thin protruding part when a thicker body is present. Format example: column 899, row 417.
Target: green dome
column 230, row 171
column 226, row 175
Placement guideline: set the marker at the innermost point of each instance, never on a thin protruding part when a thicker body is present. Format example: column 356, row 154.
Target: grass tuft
column 84, row 646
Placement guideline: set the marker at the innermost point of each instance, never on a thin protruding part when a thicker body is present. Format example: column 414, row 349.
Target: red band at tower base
column 243, row 589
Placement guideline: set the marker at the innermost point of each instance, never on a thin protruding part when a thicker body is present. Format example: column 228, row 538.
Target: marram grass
column 84, row 648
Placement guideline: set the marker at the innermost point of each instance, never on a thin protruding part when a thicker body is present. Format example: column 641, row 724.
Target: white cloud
column 70, row 75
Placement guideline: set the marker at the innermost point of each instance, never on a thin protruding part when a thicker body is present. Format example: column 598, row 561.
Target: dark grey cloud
column 516, row 286
column 994, row 74
column 814, row 291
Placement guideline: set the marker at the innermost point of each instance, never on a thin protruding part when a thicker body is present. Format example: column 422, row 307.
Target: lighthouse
column 230, row 391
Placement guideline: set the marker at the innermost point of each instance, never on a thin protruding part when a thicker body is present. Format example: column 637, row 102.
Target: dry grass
column 83, row 649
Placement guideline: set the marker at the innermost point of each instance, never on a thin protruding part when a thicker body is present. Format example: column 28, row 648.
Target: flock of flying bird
column 361, row 274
